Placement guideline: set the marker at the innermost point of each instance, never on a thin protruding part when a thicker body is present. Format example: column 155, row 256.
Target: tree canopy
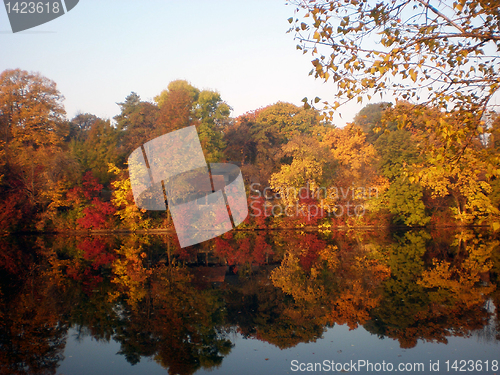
column 433, row 51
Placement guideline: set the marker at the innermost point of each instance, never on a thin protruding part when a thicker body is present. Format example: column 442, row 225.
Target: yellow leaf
column 413, row 75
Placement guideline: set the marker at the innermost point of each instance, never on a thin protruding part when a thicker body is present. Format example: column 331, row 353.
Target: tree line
column 423, row 164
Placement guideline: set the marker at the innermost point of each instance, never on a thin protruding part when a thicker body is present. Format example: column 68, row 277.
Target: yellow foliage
column 130, row 273
column 461, row 283
column 293, row 280
column 348, row 145
column 123, row 200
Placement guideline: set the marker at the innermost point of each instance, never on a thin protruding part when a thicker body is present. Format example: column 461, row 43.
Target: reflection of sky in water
column 251, row 356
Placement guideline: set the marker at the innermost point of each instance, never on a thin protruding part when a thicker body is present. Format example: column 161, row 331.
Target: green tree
column 403, row 297
column 276, row 125
column 369, row 119
column 99, row 148
column 136, row 124
column 397, row 151
column 213, row 116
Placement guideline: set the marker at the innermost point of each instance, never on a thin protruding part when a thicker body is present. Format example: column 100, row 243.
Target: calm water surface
column 251, row 303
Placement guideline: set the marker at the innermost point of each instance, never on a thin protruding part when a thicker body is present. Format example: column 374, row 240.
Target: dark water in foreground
column 251, row 303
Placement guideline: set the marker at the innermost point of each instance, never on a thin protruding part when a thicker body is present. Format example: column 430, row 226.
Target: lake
column 262, row 302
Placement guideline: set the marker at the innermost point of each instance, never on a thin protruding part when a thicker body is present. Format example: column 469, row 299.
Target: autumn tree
column 274, row 126
column 97, row 149
column 182, row 105
column 454, row 163
column 445, row 54
column 430, row 52
column 349, row 147
column 123, row 200
column 136, row 123
column 86, row 209
column 304, row 181
column 333, row 166
column 356, row 178
column 81, row 124
column 32, row 130
column 31, row 109
column 176, row 105
column 240, row 146
column 493, row 145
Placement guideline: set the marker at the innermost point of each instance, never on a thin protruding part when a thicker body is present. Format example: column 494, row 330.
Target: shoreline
column 305, row 228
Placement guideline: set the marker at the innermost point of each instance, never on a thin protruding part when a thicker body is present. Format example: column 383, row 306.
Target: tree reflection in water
column 181, row 307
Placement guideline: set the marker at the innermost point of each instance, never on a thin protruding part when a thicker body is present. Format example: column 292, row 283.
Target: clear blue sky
column 102, row 50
